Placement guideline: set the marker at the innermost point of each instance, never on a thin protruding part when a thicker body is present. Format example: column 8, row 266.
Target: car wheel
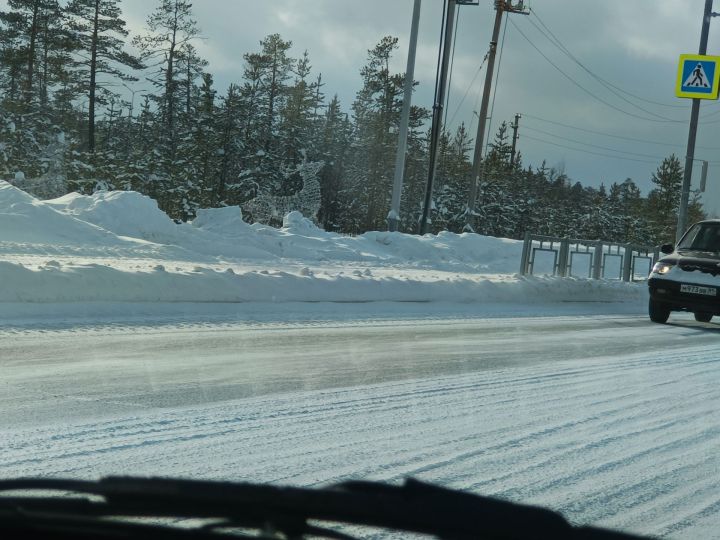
column 703, row 317
column 658, row 312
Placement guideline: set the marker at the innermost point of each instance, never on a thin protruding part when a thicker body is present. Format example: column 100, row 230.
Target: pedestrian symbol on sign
column 698, row 78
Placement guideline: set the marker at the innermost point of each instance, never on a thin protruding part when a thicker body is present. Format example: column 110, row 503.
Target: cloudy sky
column 592, row 132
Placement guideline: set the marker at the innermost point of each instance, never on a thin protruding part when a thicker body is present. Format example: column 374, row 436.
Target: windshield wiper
column 82, row 508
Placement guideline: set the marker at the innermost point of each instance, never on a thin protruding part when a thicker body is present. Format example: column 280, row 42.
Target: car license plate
column 695, row 289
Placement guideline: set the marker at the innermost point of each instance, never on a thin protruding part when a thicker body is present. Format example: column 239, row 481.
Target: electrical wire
column 658, row 158
column 611, row 135
column 467, row 90
column 477, row 102
column 607, row 84
column 599, row 79
column 592, row 145
column 581, row 87
column 587, row 151
column 452, row 64
column 560, row 44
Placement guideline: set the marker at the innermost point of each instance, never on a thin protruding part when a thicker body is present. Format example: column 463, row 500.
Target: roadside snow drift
column 119, row 246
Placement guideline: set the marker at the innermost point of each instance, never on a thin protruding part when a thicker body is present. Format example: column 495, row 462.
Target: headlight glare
column 662, row 267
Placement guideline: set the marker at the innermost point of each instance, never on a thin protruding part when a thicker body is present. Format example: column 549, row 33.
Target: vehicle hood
column 695, row 261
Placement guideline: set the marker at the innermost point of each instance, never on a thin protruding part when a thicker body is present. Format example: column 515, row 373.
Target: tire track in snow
column 605, row 441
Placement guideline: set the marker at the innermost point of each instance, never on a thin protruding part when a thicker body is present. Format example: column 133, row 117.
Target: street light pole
column 394, row 214
column 436, row 128
column 694, row 115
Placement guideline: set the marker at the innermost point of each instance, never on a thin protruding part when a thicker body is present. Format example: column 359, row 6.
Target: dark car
column 688, row 278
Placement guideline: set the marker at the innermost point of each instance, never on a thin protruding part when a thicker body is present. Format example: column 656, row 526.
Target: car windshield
column 702, row 237
column 305, row 242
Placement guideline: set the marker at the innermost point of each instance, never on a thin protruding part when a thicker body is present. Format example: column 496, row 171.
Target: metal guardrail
column 567, row 251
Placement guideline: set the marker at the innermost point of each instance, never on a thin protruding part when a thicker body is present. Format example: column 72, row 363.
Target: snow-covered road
column 56, row 369
column 607, row 418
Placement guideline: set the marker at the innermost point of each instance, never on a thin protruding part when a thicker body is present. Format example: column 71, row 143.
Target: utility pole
column 694, row 115
column 394, row 214
column 515, row 127
column 436, row 128
column 501, row 6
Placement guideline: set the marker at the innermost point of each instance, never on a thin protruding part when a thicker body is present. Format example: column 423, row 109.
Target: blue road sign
column 698, row 76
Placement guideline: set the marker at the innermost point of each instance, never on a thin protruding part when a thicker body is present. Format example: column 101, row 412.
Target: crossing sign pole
column 694, row 114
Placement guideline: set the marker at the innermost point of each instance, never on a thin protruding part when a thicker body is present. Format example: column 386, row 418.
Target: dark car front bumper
column 668, row 292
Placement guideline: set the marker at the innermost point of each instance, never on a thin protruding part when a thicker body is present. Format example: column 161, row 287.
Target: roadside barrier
column 594, row 259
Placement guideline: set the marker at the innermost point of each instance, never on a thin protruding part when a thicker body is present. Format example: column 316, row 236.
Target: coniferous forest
column 85, row 106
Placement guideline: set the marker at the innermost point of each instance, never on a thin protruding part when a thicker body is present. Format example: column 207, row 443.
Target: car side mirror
column 667, row 249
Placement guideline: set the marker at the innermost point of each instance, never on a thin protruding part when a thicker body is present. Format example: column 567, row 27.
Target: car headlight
column 662, row 267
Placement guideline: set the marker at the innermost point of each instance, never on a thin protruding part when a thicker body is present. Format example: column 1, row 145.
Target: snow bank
column 221, row 232
column 296, row 223
column 25, row 220
column 55, row 282
column 220, row 220
column 125, row 213
column 87, row 248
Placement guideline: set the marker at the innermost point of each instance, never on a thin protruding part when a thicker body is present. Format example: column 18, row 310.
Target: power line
column 612, row 135
column 657, row 158
column 607, row 84
column 567, row 52
column 587, row 151
column 452, row 65
column 593, row 145
column 611, row 88
column 477, row 102
column 568, row 77
column 467, row 90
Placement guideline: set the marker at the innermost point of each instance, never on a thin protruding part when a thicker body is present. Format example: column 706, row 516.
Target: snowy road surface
column 52, row 373
column 607, row 418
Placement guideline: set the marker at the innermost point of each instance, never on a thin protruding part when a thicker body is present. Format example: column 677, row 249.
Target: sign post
column 691, row 83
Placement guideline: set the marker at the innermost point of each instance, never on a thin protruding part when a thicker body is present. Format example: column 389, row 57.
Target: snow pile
column 125, row 213
column 119, row 246
column 25, row 220
column 54, row 282
column 296, row 223
column 220, row 220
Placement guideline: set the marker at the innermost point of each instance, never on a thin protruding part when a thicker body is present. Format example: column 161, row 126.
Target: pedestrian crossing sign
column 698, row 76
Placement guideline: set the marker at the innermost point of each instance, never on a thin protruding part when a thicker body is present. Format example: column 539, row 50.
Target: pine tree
column 664, row 200
column 171, row 29
column 229, row 187
column 452, row 180
column 29, row 136
column 191, row 67
column 376, row 114
column 332, row 149
column 22, row 26
column 276, row 69
column 98, row 30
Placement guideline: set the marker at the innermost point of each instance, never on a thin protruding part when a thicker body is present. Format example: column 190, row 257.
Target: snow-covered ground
column 219, row 349
column 119, row 247
column 626, row 442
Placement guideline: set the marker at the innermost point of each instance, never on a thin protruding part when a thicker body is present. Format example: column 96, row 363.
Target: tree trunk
column 31, row 51
column 169, row 87
column 93, row 80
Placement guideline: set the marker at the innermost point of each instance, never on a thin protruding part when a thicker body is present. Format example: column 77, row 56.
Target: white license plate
column 694, row 289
